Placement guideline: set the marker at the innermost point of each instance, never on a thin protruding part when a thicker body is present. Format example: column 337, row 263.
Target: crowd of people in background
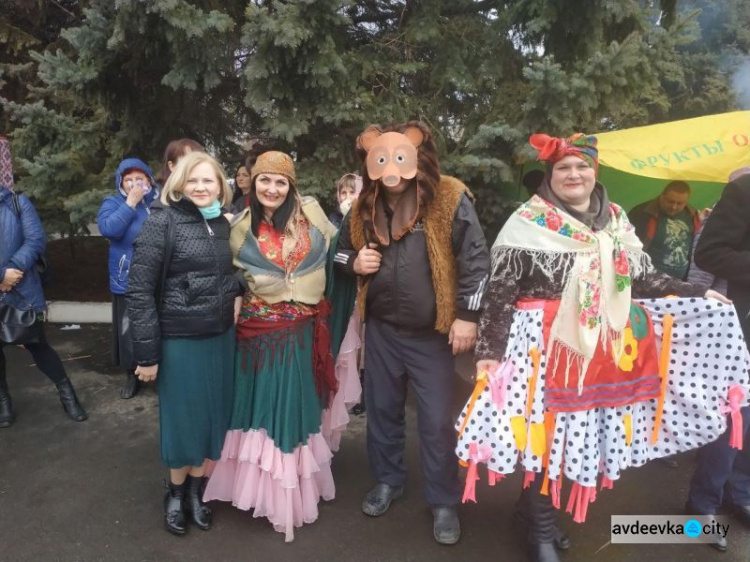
column 261, row 318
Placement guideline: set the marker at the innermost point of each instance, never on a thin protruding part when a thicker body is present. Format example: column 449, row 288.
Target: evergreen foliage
column 86, row 83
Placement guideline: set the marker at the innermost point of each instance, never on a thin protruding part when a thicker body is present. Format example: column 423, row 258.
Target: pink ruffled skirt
column 253, row 473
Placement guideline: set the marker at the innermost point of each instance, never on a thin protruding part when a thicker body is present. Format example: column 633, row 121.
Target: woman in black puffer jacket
column 182, row 302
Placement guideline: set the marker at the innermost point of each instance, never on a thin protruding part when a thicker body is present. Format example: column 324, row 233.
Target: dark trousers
column 394, row 358
column 46, row 358
column 723, row 473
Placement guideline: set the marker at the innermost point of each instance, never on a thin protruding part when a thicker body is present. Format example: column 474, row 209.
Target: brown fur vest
column 438, row 227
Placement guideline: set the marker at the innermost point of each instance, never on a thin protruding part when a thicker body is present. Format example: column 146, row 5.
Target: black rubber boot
column 70, row 402
column 521, row 519
column 199, row 512
column 174, row 509
column 131, row 386
column 7, row 416
column 541, row 527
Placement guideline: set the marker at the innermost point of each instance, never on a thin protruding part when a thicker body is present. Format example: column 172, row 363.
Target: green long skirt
column 275, row 387
column 196, row 385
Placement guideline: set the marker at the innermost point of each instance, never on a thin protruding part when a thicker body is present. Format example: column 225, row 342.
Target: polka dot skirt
column 708, row 355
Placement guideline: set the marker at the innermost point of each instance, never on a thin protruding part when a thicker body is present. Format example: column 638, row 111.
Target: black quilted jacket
column 199, row 291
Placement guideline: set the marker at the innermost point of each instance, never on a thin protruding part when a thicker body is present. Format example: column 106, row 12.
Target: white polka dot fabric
column 708, row 355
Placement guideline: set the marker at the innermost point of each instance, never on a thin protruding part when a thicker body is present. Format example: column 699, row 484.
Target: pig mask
column 391, row 158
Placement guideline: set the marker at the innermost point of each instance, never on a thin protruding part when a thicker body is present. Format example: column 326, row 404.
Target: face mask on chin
column 345, row 206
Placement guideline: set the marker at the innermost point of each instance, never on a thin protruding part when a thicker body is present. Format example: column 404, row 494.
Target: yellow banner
column 701, row 149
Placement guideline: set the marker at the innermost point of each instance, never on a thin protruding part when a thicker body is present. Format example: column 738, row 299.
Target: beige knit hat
column 274, row 162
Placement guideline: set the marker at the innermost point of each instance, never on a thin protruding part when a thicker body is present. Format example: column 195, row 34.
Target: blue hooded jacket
column 121, row 224
column 22, row 241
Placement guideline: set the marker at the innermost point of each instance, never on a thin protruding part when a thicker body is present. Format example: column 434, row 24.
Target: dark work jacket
column 200, row 287
column 724, row 246
column 645, row 220
column 401, row 293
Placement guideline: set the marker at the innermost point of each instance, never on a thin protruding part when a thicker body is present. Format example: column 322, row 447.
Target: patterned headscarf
column 6, row 165
column 552, row 149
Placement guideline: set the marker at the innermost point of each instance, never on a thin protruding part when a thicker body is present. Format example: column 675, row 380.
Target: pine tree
column 306, row 76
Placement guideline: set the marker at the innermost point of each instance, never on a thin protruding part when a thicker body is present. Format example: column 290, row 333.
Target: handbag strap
column 16, row 204
column 41, row 262
column 168, row 249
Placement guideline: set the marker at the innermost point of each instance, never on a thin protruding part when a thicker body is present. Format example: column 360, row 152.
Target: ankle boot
column 174, row 509
column 131, row 386
column 70, row 402
column 7, row 416
column 542, row 528
column 200, row 513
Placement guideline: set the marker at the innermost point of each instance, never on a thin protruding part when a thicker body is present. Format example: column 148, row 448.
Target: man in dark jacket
column 723, row 473
column 414, row 239
column 666, row 226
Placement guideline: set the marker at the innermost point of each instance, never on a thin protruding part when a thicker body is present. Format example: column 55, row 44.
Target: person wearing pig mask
column 415, row 241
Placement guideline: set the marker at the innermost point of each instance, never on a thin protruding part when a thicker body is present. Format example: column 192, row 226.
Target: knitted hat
column 552, row 149
column 274, row 162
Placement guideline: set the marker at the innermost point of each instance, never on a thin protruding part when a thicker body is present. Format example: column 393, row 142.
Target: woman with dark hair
column 289, row 402
column 175, row 150
column 22, row 242
column 569, row 380
column 241, row 197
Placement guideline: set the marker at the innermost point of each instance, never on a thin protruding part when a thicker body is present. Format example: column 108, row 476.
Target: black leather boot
column 131, row 386
column 70, row 402
column 521, row 519
column 541, row 528
column 174, row 509
column 7, row 416
column 199, row 512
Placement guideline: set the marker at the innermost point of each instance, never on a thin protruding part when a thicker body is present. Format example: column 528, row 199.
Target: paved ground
column 92, row 491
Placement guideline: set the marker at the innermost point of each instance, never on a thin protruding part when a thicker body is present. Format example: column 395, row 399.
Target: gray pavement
column 92, row 491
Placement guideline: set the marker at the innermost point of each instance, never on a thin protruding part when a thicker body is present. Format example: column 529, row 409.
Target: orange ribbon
column 666, row 348
column 478, row 389
column 536, row 359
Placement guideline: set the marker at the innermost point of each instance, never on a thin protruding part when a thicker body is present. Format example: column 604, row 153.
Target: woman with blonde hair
column 182, row 299
column 348, row 188
column 289, row 405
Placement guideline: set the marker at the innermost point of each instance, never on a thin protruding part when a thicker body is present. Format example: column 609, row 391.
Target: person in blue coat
column 22, row 243
column 120, row 220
